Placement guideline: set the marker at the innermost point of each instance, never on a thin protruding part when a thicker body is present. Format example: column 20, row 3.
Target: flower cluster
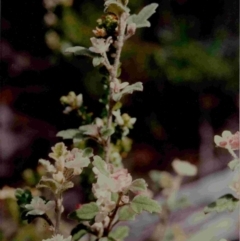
column 38, row 206
column 228, row 140
column 67, row 164
column 72, row 101
column 124, row 121
column 58, row 237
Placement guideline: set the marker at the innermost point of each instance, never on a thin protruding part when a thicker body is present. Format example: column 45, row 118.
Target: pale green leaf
column 78, row 50
column 85, row 213
column 48, row 183
column 97, row 61
column 100, row 165
column 106, row 132
column 68, row 134
column 88, row 152
column 117, row 106
column 128, row 90
column 119, row 233
column 114, row 196
column 138, row 185
column 143, row 203
column 112, row 6
column 79, row 234
column 155, row 176
column 126, row 213
column 225, row 203
column 234, row 164
column 106, row 239
column 141, row 19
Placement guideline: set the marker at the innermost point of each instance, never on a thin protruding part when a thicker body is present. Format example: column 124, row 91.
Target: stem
column 48, row 220
column 58, row 212
column 112, row 216
column 232, row 153
column 112, row 76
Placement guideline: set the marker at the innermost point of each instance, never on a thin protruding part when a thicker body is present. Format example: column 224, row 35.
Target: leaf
column 97, row 61
column 128, row 90
column 106, row 239
column 138, row 185
column 234, row 164
column 141, row 202
column 100, row 165
column 106, row 132
column 112, row 6
column 141, row 19
column 68, row 134
column 88, row 152
column 119, row 233
column 78, row 50
column 49, row 183
column 117, row 106
column 226, row 202
column 86, row 213
column 114, row 196
column 126, row 213
column 23, row 196
column 79, row 231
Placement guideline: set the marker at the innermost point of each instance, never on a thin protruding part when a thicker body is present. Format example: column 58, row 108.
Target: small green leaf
column 119, row 233
column 86, row 213
column 138, row 185
column 79, row 231
column 112, row 6
column 106, row 239
column 126, row 213
column 50, row 184
column 227, row 202
column 128, row 90
column 68, row 134
column 234, row 164
column 88, row 152
column 100, row 165
column 117, row 106
column 23, row 196
column 114, row 196
column 141, row 202
column 78, row 50
column 106, row 132
column 141, row 19
column 97, row 61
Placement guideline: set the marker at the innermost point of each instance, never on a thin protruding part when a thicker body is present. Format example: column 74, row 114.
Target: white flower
column 58, row 237
column 73, row 101
column 100, row 45
column 116, row 86
column 228, row 140
column 184, row 168
column 48, row 166
column 76, row 161
column 38, row 206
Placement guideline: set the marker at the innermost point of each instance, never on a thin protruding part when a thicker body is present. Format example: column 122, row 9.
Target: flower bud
column 131, row 29
column 100, row 32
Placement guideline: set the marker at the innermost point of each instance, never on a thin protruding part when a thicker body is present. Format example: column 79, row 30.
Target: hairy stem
column 112, row 216
column 112, row 76
column 58, row 212
column 232, row 153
